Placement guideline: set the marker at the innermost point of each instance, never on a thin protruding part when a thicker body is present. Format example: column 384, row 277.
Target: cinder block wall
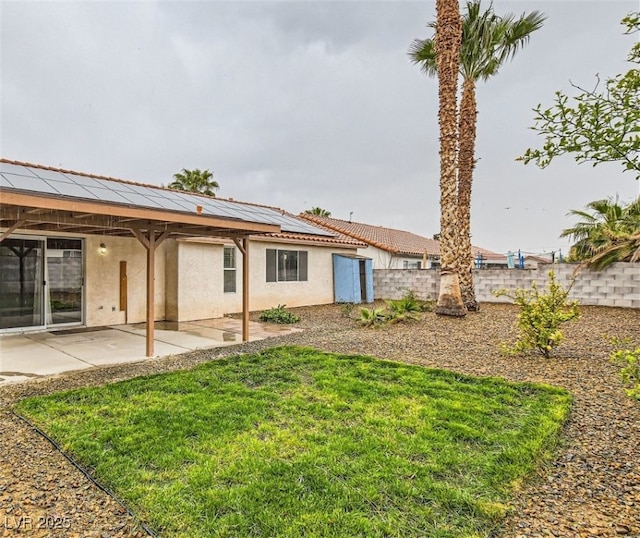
column 617, row 285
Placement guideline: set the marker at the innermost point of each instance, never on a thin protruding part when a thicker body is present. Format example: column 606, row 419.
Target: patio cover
column 38, row 198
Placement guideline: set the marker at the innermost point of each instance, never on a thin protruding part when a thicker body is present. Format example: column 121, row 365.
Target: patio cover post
column 150, row 243
column 244, row 249
column 151, row 280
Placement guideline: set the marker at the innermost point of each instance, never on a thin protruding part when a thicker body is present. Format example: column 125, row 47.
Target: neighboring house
column 78, row 249
column 390, row 248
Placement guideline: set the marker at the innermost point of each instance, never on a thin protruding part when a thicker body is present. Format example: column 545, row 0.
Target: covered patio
column 32, row 355
column 40, row 199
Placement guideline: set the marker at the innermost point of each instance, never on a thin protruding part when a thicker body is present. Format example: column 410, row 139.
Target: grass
column 296, row 442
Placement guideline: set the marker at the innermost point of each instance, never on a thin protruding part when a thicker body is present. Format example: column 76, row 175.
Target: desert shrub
column 410, row 303
column 401, row 310
column 372, row 317
column 629, row 360
column 541, row 315
column 346, row 310
column 278, row 314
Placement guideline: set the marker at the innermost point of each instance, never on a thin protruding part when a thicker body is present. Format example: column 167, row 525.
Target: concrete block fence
column 618, row 285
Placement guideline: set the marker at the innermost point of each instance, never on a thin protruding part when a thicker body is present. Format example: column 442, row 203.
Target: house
column 393, row 249
column 78, row 249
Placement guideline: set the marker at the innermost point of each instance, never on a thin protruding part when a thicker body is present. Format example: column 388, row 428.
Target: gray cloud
column 300, row 104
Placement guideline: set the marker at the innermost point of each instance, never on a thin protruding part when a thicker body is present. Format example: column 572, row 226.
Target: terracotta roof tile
column 397, row 242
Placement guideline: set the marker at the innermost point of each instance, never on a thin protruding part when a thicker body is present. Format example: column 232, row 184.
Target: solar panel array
column 44, row 181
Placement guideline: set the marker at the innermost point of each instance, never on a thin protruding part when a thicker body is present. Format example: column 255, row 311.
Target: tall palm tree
column 488, row 41
column 196, row 180
column 447, row 43
column 318, row 211
column 607, row 232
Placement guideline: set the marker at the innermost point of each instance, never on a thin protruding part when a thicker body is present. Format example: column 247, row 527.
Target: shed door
column 346, row 279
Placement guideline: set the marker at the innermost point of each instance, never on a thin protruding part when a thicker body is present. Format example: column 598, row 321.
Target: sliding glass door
column 41, row 282
column 63, row 299
column 21, row 283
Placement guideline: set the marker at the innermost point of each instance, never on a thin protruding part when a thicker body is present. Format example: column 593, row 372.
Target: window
column 229, row 269
column 286, row 265
column 412, row 265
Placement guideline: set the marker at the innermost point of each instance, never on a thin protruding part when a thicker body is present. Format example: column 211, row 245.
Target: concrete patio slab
column 35, row 354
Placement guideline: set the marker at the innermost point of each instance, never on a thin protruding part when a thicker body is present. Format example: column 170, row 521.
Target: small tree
column 541, row 315
column 596, row 125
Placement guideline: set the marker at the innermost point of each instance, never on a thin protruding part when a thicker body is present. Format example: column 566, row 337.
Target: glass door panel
column 21, row 283
column 64, row 281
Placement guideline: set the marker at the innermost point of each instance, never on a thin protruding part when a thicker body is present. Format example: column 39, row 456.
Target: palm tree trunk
column 448, row 39
column 466, row 164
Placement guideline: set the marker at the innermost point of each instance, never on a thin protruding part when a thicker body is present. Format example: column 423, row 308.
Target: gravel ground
column 591, row 488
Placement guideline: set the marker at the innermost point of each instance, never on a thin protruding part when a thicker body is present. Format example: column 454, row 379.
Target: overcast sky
column 301, row 104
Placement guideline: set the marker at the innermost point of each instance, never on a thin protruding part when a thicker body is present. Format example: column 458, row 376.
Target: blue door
column 353, row 279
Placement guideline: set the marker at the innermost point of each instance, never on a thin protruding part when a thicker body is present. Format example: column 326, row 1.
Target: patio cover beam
column 83, row 207
column 11, row 229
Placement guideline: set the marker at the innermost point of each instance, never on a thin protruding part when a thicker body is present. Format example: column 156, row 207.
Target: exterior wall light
column 103, row 248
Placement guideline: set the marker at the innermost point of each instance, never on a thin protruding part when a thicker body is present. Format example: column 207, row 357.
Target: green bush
column 346, row 310
column 629, row 359
column 372, row 317
column 279, row 315
column 397, row 310
column 410, row 303
column 541, row 315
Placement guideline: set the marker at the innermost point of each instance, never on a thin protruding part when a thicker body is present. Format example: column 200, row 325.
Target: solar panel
column 50, row 175
column 84, row 181
column 107, row 195
column 31, row 183
column 40, row 180
column 15, row 169
column 4, row 182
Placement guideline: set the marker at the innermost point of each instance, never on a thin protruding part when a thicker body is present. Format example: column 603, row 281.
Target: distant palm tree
column 447, row 43
column 488, row 40
column 318, row 211
column 607, row 232
column 196, row 180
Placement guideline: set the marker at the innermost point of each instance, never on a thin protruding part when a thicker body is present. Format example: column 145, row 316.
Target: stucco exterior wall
column 618, row 285
column 198, row 272
column 189, row 279
column 384, row 260
column 102, row 281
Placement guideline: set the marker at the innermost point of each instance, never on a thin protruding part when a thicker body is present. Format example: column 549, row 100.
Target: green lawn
column 296, row 442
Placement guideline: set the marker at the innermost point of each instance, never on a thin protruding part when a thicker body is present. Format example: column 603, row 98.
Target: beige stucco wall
column 384, row 260
column 102, row 280
column 200, row 288
column 189, row 279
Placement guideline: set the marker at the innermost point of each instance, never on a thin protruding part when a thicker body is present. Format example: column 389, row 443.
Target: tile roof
column 397, row 242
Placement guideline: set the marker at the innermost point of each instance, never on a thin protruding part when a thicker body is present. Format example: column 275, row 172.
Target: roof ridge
column 317, row 220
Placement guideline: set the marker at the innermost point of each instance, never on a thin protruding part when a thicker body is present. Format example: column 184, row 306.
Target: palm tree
column 488, row 40
column 196, row 180
column 447, row 43
column 318, row 211
column 608, row 233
